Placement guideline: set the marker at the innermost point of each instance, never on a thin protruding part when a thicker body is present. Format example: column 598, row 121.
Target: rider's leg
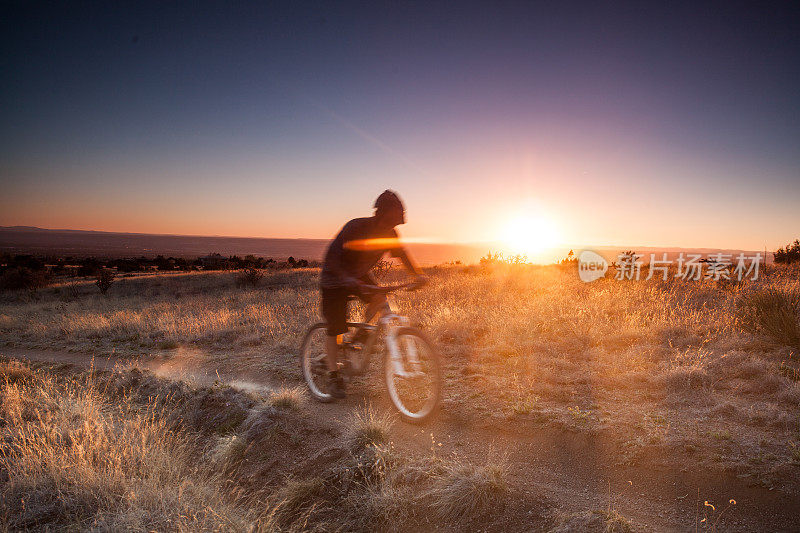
column 334, row 310
column 377, row 303
column 331, row 352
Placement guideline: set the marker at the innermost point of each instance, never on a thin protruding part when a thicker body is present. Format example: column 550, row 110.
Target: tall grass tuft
column 367, row 428
column 773, row 313
column 288, row 397
column 464, row 492
column 297, row 500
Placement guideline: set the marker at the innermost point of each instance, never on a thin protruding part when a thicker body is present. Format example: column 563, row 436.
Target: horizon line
column 410, row 240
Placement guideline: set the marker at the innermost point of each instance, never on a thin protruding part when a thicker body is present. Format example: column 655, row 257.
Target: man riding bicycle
column 359, row 245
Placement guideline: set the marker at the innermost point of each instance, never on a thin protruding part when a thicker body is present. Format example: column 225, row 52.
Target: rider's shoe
column 336, row 385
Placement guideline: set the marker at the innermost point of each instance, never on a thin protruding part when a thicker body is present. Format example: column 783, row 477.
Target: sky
column 633, row 124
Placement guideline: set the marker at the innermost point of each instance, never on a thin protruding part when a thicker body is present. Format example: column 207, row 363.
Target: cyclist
column 360, row 244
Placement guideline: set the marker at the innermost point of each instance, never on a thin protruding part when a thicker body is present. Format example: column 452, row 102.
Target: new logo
column 591, row 266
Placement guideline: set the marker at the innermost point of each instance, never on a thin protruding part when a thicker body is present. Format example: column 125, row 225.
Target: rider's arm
column 408, row 262
column 399, row 251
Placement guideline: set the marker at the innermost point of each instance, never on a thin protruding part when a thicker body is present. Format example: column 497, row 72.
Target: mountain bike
column 412, row 366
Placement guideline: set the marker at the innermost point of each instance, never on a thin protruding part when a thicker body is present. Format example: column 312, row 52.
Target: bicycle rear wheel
column 413, row 375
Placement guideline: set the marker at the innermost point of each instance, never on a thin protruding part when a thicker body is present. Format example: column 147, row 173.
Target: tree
column 789, row 254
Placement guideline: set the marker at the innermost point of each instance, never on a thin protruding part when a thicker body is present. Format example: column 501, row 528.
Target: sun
column 530, row 235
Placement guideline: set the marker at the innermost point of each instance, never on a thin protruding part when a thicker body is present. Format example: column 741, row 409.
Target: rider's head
column 389, row 209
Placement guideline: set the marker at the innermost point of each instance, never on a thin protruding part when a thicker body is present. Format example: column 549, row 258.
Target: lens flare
column 364, row 245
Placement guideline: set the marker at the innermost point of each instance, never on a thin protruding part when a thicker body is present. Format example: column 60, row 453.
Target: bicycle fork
column 400, row 364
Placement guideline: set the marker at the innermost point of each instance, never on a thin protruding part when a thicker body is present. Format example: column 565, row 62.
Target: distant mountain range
column 81, row 243
column 39, row 241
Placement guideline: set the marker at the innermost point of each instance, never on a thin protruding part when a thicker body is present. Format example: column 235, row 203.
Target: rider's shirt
column 354, row 251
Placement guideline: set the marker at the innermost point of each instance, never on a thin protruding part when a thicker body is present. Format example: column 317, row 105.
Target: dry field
column 697, row 377
column 128, row 451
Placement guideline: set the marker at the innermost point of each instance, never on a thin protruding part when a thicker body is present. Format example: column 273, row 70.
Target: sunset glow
column 530, row 235
column 291, row 133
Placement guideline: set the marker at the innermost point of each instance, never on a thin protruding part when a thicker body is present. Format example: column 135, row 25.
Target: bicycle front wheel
column 312, row 361
column 413, row 375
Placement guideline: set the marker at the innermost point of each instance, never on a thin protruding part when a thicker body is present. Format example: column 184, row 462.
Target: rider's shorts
column 334, row 308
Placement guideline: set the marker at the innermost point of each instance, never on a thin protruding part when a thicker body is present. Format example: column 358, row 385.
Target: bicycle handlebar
column 377, row 289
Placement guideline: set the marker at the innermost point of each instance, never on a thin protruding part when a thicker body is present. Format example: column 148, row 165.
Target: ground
column 635, row 400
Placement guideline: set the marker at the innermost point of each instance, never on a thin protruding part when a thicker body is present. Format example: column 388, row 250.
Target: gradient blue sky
column 638, row 124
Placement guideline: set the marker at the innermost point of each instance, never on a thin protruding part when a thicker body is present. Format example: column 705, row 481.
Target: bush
column 288, row 398
column 105, row 278
column 24, row 278
column 249, row 276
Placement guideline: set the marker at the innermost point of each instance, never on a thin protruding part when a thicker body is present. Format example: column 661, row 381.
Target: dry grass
column 289, row 397
column 155, row 313
column 463, row 492
column 296, row 502
column 524, row 346
column 368, row 427
column 379, row 489
column 73, row 460
column 774, row 313
column 14, row 371
column 596, row 521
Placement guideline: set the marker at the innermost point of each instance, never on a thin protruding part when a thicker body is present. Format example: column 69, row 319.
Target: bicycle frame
column 388, row 323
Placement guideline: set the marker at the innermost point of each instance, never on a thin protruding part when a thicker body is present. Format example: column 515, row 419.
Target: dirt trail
column 576, row 471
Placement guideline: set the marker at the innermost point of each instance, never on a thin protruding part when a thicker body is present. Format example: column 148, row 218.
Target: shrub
column 249, row 276
column 492, row 259
column 13, row 371
column 24, row 278
column 598, row 520
column 296, row 501
column 105, row 278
